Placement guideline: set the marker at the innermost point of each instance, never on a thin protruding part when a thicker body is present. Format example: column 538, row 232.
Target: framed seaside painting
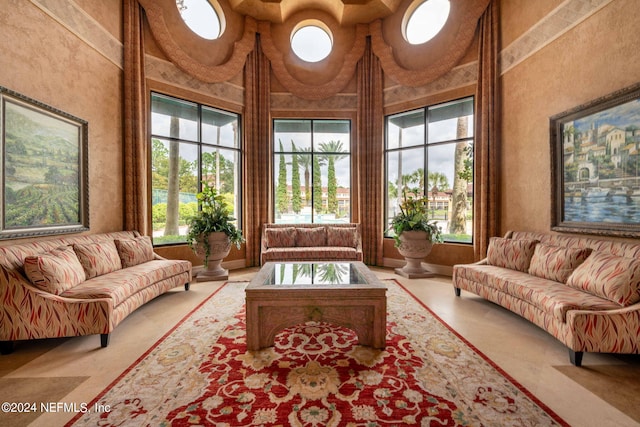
column 44, row 177
column 595, row 171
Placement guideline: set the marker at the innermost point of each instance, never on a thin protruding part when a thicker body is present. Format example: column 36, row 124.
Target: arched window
column 203, row 17
column 424, row 19
column 311, row 41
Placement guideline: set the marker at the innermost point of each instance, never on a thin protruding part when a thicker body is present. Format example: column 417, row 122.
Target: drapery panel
column 370, row 155
column 487, row 144
column 257, row 150
column 135, row 151
column 369, row 161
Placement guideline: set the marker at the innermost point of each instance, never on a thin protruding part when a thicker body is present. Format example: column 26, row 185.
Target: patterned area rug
column 315, row 375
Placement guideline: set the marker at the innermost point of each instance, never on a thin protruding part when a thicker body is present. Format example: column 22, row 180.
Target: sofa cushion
column 55, row 271
column 284, row 237
column 556, row 263
column 310, row 237
column 134, row 251
column 608, row 276
column 328, row 253
column 121, row 284
column 98, row 258
column 342, row 236
column 548, row 296
column 510, row 253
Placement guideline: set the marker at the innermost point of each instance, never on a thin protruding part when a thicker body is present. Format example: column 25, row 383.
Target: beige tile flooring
column 528, row 354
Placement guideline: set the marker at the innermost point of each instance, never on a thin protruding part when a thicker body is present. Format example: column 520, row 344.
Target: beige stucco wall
column 64, row 57
column 594, row 58
column 69, row 55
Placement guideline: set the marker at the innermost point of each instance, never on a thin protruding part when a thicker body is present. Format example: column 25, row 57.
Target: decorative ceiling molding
column 438, row 56
column 346, row 12
column 160, row 13
column 216, row 61
column 307, row 89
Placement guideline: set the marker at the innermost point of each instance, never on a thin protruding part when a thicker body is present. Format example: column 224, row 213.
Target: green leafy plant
column 214, row 216
column 414, row 216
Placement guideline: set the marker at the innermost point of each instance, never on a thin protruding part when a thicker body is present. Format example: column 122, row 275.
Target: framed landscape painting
column 44, row 178
column 595, row 173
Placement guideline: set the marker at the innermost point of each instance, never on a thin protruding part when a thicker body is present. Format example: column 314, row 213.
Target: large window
column 190, row 143
column 312, row 171
column 429, row 153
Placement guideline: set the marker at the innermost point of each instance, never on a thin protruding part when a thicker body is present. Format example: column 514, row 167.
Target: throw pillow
column 608, row 276
column 55, row 271
column 511, row 253
column 284, row 237
column 98, row 258
column 556, row 262
column 342, row 236
column 311, row 237
column 134, row 251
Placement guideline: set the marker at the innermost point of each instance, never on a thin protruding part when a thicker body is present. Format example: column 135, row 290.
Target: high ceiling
column 344, row 11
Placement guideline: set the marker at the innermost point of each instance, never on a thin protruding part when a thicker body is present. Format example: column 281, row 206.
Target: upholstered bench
column 311, row 242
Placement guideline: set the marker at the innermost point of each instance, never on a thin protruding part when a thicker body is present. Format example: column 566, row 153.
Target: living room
column 552, row 56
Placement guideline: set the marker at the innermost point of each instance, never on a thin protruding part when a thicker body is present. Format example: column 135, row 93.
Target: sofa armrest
column 263, row 238
column 28, row 312
column 604, row 331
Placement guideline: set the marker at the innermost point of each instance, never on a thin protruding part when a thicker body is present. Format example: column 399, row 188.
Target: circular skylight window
column 201, row 17
column 312, row 42
column 424, row 19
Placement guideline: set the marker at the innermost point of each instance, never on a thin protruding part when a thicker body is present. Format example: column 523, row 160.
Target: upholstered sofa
column 83, row 285
column 311, row 242
column 583, row 291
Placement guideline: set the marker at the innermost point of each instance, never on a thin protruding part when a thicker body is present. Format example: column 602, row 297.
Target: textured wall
column 556, row 54
column 56, row 53
column 544, row 76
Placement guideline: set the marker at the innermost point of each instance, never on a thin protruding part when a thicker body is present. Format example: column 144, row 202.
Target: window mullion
column 426, row 152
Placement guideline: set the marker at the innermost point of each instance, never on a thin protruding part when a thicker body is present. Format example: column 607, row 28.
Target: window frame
column 276, row 152
column 425, row 145
column 200, row 148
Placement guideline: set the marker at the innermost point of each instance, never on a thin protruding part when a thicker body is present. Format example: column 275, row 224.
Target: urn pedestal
column 414, row 248
column 220, row 246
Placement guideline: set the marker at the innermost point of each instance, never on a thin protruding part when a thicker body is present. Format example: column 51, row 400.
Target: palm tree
column 458, row 222
column 437, row 181
column 330, row 148
column 173, row 184
column 304, row 160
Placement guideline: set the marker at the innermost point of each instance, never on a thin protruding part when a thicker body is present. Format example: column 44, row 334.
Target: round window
column 424, row 19
column 311, row 42
column 201, row 17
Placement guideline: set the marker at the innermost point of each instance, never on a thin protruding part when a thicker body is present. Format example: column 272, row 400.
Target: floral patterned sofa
column 311, row 242
column 83, row 285
column 583, row 291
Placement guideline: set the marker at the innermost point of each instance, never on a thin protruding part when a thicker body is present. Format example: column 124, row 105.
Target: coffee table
column 284, row 294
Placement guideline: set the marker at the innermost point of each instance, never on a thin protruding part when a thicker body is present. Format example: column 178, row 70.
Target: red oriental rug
column 315, row 375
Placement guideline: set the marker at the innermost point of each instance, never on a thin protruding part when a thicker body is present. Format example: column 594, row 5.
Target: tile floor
column 524, row 351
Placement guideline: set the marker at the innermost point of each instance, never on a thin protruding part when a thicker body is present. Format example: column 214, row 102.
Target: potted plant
column 414, row 235
column 212, row 232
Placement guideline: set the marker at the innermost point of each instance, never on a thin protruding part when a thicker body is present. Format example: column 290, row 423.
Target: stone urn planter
column 220, row 246
column 212, row 232
column 414, row 247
